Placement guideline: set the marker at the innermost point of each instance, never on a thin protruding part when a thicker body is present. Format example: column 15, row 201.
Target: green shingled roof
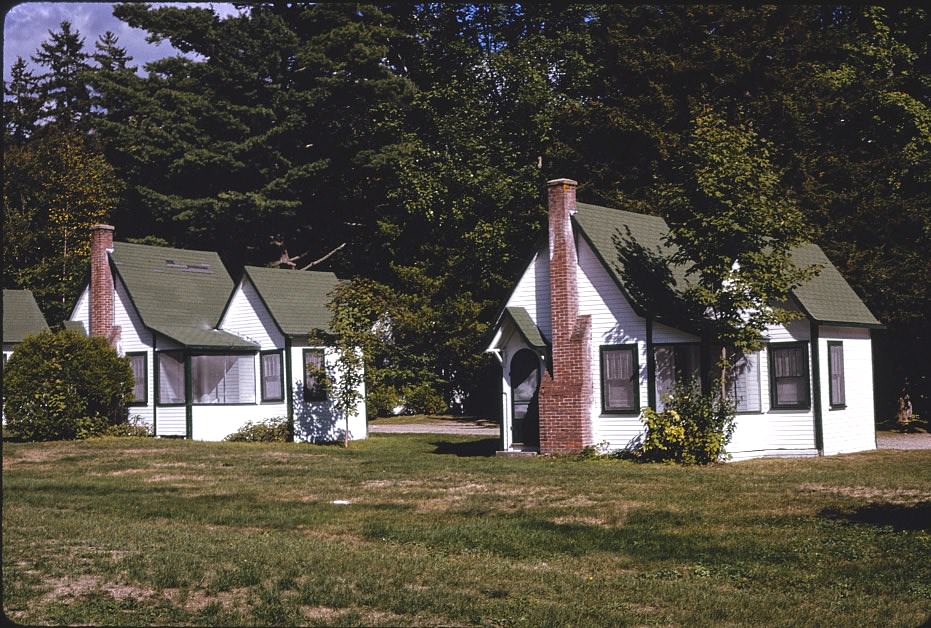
column 178, row 292
column 526, row 326
column 21, row 316
column 297, row 299
column 826, row 298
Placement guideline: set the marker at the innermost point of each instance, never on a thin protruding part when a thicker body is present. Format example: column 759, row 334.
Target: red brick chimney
column 101, row 291
column 566, row 396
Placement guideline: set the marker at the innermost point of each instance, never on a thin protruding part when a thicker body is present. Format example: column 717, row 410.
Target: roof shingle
column 296, row 299
column 21, row 316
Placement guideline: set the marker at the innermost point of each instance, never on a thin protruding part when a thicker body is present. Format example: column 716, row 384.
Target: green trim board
column 816, row 383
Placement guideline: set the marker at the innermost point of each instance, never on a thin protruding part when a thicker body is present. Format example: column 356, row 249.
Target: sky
column 27, row 25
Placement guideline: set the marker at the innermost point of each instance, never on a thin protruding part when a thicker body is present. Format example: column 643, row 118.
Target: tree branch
column 317, row 261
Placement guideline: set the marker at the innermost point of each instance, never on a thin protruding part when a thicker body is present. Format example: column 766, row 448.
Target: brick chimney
column 101, row 291
column 566, row 395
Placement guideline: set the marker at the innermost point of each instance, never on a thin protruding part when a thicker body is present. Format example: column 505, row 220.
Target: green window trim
column 318, row 391
column 265, row 397
column 805, row 402
column 158, row 375
column 836, row 346
column 145, row 377
column 634, row 406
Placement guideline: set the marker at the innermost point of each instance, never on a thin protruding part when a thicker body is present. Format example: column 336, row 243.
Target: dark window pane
column 314, row 389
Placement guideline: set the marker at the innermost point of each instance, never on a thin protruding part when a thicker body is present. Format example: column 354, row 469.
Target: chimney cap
column 102, row 227
column 553, row 182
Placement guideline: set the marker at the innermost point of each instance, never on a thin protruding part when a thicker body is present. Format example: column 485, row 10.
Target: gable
column 173, row 287
column 297, row 299
column 247, row 316
column 21, row 316
column 614, row 234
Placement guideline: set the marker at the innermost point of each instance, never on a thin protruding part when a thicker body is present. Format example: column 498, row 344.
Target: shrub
column 62, row 385
column 423, row 399
column 265, row 431
column 694, row 428
column 381, row 401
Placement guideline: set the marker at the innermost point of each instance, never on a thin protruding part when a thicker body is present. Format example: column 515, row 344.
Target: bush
column 694, row 428
column 266, row 431
column 62, row 385
column 423, row 399
column 381, row 401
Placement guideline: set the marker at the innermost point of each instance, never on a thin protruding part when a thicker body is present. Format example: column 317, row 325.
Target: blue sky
column 26, row 26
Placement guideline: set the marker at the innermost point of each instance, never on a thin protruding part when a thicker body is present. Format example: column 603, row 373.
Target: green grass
column 144, row 531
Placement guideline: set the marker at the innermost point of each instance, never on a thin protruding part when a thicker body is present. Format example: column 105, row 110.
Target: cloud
column 27, row 25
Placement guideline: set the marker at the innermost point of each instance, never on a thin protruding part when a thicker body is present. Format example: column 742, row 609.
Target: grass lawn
column 144, row 531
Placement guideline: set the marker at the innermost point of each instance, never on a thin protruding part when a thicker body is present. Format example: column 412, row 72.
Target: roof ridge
column 164, row 248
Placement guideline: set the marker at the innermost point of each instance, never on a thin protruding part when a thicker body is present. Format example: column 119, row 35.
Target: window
column 272, row 378
column 223, row 379
column 745, row 383
column 788, row 364
column 620, row 379
column 138, row 362
column 170, row 369
column 674, row 363
column 314, row 375
column 836, row 374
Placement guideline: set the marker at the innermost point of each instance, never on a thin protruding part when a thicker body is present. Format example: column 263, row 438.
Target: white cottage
column 584, row 348
column 209, row 356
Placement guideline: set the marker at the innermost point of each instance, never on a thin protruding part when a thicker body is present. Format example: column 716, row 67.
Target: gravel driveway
column 437, row 427
column 895, row 440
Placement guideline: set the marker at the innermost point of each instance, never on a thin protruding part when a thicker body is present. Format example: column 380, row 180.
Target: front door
column 525, row 396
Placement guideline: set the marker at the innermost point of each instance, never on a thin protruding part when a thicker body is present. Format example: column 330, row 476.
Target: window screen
column 137, row 362
column 836, row 372
column 314, row 384
column 170, row 377
column 272, row 389
column 620, row 377
column 745, row 383
column 674, row 363
column 789, row 364
column 223, row 379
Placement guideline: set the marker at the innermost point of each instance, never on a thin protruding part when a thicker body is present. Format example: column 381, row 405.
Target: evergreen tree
column 62, row 88
column 21, row 107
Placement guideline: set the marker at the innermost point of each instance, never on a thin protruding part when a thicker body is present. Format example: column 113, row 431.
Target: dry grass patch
column 901, row 496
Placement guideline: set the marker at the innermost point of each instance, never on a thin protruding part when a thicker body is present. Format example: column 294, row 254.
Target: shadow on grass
column 913, row 517
column 485, row 447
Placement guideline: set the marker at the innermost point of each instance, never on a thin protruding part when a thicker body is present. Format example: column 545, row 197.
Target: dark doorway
column 525, row 398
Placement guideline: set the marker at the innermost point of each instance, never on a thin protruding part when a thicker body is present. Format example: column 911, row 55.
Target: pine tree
column 62, row 88
column 21, row 109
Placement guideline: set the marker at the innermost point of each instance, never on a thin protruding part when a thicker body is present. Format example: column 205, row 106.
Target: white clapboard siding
column 81, row 310
column 613, row 322
column 135, row 337
column 317, row 421
column 171, row 421
column 215, row 422
column 533, row 293
column 247, row 316
column 852, row 428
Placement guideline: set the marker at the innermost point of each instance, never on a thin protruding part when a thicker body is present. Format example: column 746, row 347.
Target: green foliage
column 693, row 428
column 422, row 399
column 274, row 430
column 54, row 189
column 62, row 385
column 734, row 228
